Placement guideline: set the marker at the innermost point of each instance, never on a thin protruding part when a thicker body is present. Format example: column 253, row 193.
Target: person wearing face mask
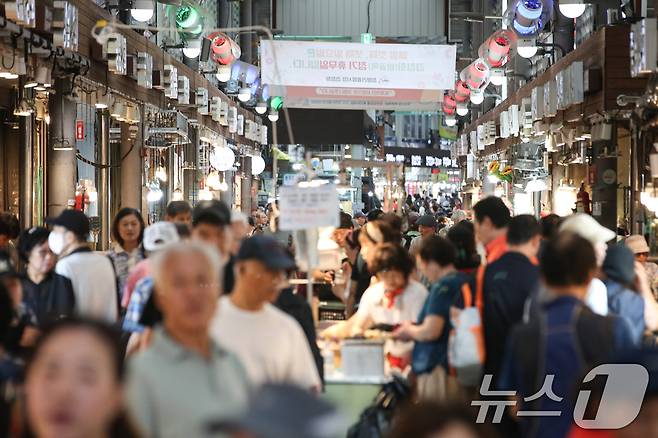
column 74, row 383
column 91, row 273
column 46, row 294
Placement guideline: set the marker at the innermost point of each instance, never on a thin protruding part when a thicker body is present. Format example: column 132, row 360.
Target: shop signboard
column 419, row 157
column 307, row 207
column 358, row 76
column 79, row 130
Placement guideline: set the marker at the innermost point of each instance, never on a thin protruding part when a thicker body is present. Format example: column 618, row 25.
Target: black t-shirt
column 361, row 275
column 50, row 299
column 229, row 276
column 298, row 308
column 508, row 282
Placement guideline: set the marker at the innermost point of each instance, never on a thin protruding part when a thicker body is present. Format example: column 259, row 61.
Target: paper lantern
column 257, row 165
column 222, row 158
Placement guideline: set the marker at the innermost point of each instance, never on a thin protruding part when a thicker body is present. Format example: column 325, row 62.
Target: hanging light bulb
column 497, row 76
column 273, row 116
column 261, row 107
column 154, row 193
column 192, row 49
column 572, row 8
column 212, row 181
column 161, row 174
column 450, row 120
column 257, row 165
column 527, row 47
column 23, row 109
column 101, row 101
column 244, row 94
column 462, row 108
column 142, row 10
column 30, row 83
column 223, row 73
column 477, row 97
column 46, row 118
column 117, row 110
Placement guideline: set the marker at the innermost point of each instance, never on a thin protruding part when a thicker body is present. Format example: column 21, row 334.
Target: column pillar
column 103, row 178
column 131, row 170
column 61, row 164
column 26, row 157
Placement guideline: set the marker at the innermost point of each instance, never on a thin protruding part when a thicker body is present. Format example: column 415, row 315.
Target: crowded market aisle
column 180, row 352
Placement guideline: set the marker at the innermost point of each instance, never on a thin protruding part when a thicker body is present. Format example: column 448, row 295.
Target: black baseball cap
column 73, row 220
column 214, row 212
column 427, row 220
column 266, row 250
column 359, row 214
column 284, row 411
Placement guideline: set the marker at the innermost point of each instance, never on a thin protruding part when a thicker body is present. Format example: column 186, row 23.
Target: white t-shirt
column 597, row 297
column 94, row 284
column 270, row 344
column 406, row 307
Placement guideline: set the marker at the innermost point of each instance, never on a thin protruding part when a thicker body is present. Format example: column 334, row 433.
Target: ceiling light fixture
column 142, row 10
column 572, row 8
column 261, row 107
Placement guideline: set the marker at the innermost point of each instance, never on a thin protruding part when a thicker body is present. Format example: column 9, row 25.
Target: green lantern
column 276, row 103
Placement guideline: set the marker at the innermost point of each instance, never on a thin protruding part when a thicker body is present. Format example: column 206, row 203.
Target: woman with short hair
column 46, row 294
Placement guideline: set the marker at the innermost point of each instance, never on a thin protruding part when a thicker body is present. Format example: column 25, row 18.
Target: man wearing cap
column 91, row 273
column 426, row 227
column 284, row 411
column 156, row 237
column 270, row 344
column 588, row 228
column 638, row 246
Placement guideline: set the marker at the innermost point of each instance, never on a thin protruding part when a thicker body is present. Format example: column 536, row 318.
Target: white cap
column 588, row 228
column 159, row 235
column 238, row 216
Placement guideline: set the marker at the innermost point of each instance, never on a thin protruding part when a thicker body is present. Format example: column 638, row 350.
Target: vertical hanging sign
column 79, row 130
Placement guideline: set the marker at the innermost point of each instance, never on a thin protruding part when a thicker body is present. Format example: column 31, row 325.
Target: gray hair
column 160, row 259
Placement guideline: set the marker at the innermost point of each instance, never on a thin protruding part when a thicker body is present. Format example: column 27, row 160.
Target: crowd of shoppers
column 189, row 327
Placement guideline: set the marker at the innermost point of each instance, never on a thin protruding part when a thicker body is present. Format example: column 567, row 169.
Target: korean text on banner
column 308, row 207
column 353, row 65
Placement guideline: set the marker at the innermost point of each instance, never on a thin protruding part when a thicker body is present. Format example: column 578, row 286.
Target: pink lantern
column 496, row 49
column 462, row 92
column 224, row 49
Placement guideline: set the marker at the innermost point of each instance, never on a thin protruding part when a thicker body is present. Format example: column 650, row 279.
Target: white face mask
column 56, row 242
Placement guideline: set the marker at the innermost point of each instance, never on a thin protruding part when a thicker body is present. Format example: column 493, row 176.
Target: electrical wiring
column 368, row 14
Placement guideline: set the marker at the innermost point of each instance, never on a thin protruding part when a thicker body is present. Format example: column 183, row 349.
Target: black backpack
column 375, row 420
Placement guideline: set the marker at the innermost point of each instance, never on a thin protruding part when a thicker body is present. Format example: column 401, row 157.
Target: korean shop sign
column 419, row 157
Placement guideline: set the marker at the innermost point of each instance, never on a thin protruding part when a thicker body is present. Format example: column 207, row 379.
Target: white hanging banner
column 349, row 75
column 308, row 207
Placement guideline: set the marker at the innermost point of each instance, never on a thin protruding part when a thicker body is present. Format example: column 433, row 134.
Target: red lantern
column 462, row 92
column 224, row 49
